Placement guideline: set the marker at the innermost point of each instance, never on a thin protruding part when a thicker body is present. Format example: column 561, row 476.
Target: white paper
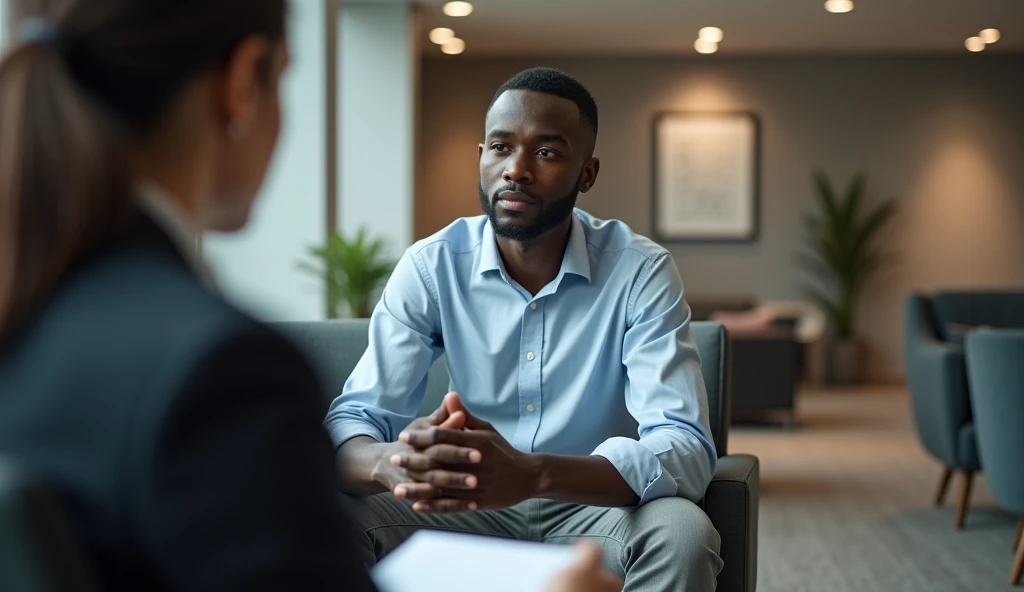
column 439, row 560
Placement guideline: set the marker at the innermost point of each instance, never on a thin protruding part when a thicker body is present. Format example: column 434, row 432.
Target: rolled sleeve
column 665, row 393
column 384, row 391
column 639, row 467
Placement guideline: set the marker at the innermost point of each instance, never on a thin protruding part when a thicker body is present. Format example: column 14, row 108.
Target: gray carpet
column 847, row 505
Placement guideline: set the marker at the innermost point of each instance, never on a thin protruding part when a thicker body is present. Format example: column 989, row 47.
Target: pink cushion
column 744, row 322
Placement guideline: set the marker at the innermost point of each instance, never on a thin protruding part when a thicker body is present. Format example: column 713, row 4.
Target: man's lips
column 514, row 200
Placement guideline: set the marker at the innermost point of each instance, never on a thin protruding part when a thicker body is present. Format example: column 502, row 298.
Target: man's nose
column 518, row 170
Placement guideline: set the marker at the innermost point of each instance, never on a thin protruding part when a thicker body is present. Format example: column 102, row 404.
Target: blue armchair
column 995, row 370
column 935, row 326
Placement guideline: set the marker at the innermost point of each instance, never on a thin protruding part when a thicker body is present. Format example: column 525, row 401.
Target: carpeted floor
column 847, row 504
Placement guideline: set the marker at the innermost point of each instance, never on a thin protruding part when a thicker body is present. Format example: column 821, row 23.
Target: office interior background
column 926, row 97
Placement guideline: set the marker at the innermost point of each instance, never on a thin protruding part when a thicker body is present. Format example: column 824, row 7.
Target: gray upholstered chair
column 731, row 501
column 995, row 370
column 39, row 547
column 935, row 326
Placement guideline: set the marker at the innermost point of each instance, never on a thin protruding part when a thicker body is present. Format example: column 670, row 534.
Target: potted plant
column 843, row 256
column 354, row 272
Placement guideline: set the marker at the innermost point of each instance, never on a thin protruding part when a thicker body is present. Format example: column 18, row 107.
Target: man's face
column 535, row 159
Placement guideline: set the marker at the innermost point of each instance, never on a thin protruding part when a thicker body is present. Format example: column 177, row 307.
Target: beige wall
column 944, row 135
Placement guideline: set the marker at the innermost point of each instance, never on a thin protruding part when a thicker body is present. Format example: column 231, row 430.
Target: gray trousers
column 666, row 544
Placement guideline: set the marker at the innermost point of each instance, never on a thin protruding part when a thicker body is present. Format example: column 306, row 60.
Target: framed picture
column 706, row 176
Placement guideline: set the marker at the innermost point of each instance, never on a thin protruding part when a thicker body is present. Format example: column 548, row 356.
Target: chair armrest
column 731, row 503
column 937, row 377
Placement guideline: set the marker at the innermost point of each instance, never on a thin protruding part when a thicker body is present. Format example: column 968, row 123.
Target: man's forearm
column 589, row 480
column 360, row 462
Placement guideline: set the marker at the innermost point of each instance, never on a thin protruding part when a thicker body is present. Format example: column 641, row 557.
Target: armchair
column 937, row 376
column 731, row 501
column 995, row 374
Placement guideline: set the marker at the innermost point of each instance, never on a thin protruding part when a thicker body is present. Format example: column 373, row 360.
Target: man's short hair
column 554, row 82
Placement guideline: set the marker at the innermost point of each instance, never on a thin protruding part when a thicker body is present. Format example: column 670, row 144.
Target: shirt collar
column 575, row 261
column 156, row 203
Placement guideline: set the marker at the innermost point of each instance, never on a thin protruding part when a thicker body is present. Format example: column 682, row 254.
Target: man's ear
column 590, row 170
column 480, row 152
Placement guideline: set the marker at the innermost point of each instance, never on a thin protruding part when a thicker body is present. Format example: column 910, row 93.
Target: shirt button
column 529, row 408
column 533, row 306
column 530, row 356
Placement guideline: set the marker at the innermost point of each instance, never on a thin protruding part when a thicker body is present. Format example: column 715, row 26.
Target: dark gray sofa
column 731, row 501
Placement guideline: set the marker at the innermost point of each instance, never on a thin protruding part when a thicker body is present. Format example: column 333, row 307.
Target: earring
column 236, row 133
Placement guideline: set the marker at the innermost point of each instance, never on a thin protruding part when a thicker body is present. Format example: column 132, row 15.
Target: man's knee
column 680, row 530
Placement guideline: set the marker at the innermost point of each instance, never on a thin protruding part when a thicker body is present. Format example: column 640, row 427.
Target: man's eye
column 499, row 147
column 545, row 152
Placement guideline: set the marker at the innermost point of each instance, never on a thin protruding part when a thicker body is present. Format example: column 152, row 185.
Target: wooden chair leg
column 947, row 473
column 1018, row 561
column 965, row 495
column 1020, row 531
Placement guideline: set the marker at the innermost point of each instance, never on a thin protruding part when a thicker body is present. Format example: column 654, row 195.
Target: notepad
column 433, row 560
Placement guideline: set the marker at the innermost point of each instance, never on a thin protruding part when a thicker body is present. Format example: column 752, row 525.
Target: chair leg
column 1018, row 561
column 1020, row 531
column 947, row 473
column 965, row 495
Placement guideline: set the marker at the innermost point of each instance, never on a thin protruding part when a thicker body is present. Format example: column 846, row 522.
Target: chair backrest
column 334, row 347
column 996, row 373
column 39, row 549
column 997, row 309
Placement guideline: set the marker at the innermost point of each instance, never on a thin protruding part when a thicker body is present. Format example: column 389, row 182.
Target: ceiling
column 752, row 27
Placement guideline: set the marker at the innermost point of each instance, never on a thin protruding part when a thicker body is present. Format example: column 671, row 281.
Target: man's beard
column 550, row 216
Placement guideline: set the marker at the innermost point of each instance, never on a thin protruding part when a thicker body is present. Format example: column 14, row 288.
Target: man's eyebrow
column 500, row 134
column 553, row 138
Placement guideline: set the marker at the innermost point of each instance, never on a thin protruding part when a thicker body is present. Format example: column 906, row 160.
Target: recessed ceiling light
column 704, row 46
column 989, row 35
column 839, row 6
column 441, row 35
column 453, row 46
column 975, row 44
column 712, row 34
column 458, row 9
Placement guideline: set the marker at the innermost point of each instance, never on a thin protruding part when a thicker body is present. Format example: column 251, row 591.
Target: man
column 557, row 327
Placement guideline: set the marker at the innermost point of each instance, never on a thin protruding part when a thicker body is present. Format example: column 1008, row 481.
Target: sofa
column 935, row 326
column 731, row 501
column 995, row 373
column 767, row 362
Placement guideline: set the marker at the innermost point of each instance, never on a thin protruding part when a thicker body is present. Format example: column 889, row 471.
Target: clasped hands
column 451, row 461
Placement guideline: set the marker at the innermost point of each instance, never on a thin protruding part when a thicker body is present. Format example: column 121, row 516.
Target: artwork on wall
column 706, row 176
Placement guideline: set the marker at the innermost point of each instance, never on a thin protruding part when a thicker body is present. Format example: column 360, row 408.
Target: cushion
column 750, row 322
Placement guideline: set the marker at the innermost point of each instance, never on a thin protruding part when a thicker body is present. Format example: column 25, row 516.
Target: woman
column 185, row 437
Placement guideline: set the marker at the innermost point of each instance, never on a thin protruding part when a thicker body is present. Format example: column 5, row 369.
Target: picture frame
column 706, row 176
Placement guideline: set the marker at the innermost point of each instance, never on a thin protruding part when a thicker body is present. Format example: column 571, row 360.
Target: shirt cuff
column 639, row 467
column 343, row 431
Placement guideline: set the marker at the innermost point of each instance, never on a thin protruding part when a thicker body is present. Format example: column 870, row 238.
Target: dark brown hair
column 71, row 103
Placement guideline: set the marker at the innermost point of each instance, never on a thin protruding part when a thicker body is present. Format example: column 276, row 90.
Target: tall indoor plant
column 842, row 254
column 354, row 271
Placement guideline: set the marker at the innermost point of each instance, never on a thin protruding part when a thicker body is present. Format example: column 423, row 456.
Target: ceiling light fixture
column 704, row 46
column 989, row 35
column 839, row 6
column 710, row 34
column 975, row 44
column 453, row 46
column 458, row 9
column 441, row 35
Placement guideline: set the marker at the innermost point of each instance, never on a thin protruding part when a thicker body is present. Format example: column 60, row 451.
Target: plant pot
column 845, row 361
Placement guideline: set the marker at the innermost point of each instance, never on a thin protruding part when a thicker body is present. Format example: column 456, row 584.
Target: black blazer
column 184, row 436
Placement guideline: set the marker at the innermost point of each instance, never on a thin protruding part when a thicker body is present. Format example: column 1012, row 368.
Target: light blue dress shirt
column 601, row 355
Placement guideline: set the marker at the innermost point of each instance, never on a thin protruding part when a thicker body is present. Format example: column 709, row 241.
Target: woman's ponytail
column 64, row 180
